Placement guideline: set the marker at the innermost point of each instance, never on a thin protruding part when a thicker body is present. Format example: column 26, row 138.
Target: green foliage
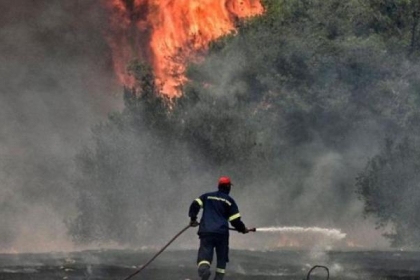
column 389, row 185
column 309, row 78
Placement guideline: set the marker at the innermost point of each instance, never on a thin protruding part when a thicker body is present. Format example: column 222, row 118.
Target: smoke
column 136, row 173
column 55, row 84
column 149, row 163
column 291, row 175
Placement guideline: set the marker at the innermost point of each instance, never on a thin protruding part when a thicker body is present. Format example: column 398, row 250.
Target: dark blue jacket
column 218, row 209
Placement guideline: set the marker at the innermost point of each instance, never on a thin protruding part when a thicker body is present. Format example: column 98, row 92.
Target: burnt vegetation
column 308, row 78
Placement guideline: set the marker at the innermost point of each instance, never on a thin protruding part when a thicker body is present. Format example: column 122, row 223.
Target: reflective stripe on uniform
column 199, row 202
column 233, row 217
column 220, row 270
column 220, row 199
column 203, row 262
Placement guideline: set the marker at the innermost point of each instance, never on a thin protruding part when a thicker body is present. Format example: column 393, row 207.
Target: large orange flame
column 170, row 33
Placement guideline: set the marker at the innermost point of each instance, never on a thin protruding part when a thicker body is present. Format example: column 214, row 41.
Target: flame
column 288, row 241
column 170, row 33
column 353, row 244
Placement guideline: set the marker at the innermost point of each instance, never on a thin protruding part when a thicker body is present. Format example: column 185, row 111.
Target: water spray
column 332, row 233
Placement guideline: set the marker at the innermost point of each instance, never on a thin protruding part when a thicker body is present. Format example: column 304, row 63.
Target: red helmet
column 225, row 181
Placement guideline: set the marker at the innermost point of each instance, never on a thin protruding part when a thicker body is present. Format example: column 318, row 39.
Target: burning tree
column 293, row 104
column 169, row 34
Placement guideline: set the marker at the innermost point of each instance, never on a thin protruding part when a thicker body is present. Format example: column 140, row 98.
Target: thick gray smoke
column 136, row 173
column 148, row 164
column 294, row 164
column 55, row 83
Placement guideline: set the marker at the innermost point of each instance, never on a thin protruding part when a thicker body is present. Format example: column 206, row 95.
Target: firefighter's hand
column 246, row 230
column 193, row 223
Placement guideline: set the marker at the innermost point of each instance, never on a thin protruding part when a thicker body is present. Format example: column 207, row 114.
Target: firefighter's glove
column 246, row 230
column 194, row 223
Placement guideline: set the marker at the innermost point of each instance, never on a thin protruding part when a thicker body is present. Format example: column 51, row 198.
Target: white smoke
column 53, row 76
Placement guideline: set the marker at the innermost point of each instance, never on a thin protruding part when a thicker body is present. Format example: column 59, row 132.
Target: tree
column 303, row 90
column 390, row 188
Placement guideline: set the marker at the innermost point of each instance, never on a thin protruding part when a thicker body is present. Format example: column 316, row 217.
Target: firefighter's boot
column 204, row 271
column 219, row 276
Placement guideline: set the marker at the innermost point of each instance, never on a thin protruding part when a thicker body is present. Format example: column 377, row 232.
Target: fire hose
column 180, row 233
column 163, row 249
column 158, row 253
column 308, row 277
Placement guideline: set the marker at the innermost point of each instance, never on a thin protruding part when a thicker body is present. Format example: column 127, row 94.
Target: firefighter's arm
column 239, row 225
column 195, row 207
column 235, row 219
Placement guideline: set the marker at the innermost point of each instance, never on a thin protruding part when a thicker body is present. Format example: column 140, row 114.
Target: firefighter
column 218, row 209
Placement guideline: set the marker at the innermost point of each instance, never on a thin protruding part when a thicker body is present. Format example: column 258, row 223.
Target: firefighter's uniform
column 218, row 210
